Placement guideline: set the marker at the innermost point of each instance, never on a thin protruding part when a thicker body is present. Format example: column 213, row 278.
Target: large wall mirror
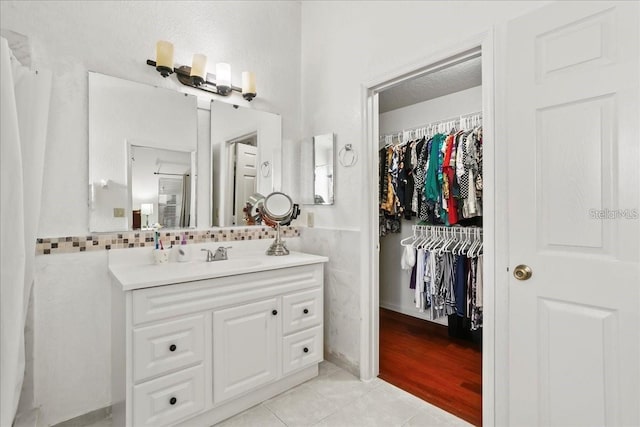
column 246, row 148
column 142, row 145
column 145, row 143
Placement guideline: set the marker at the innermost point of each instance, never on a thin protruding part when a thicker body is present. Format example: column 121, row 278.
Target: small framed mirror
column 323, row 155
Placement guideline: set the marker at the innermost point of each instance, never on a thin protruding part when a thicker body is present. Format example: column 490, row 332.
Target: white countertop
column 145, row 274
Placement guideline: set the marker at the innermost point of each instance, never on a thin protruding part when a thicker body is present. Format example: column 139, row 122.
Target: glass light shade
column 223, row 75
column 164, row 57
column 198, row 68
column 248, row 82
column 146, row 208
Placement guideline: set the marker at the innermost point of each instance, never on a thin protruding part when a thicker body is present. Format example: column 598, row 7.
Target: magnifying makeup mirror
column 278, row 209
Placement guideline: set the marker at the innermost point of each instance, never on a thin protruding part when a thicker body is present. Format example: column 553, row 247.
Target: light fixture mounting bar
column 183, row 73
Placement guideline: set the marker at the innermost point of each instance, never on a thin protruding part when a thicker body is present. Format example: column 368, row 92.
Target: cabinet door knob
column 306, row 350
column 274, row 312
column 172, row 347
column 173, row 400
column 305, row 311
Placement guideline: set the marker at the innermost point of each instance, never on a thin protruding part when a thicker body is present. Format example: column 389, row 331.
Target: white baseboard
column 413, row 312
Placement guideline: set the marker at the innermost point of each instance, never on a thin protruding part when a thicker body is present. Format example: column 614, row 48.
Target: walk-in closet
column 431, row 237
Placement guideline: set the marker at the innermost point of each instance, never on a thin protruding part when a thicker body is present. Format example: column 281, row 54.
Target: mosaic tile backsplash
column 139, row 239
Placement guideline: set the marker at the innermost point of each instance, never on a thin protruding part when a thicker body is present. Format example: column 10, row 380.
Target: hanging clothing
column 407, row 166
column 446, row 284
column 420, row 289
column 418, row 174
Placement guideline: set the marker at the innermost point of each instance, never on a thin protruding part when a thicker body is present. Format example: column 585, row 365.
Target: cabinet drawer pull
column 172, row 347
column 305, row 311
column 274, row 312
column 306, row 350
column 173, row 400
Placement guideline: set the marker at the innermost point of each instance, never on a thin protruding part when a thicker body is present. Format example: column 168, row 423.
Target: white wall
column 111, row 37
column 345, row 45
column 441, row 108
column 394, row 282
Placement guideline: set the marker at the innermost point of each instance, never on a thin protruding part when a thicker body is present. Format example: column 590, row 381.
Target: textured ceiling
column 433, row 85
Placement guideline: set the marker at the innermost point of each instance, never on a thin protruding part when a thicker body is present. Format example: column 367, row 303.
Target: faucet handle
column 209, row 254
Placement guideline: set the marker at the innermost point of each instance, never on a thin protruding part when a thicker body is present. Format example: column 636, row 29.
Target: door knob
column 522, row 272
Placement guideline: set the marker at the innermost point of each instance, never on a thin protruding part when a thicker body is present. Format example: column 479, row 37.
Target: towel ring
column 346, row 159
column 265, row 168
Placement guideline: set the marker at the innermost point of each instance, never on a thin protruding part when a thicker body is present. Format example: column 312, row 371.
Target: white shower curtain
column 24, row 112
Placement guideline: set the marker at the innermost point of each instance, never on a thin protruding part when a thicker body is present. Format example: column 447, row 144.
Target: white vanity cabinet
column 197, row 350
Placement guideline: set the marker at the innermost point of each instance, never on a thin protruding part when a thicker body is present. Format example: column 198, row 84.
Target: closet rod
column 447, row 228
column 433, row 124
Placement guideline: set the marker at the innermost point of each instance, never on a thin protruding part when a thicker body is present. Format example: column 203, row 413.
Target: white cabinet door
column 245, row 350
column 574, row 160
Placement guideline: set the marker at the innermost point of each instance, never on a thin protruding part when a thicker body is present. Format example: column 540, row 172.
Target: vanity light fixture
column 196, row 75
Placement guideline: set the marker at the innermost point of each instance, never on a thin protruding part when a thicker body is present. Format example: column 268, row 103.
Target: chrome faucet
column 220, row 255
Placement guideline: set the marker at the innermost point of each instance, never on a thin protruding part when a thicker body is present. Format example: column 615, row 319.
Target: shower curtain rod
column 174, row 174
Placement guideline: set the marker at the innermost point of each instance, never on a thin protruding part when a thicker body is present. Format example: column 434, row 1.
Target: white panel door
column 573, row 148
column 245, row 348
column 245, row 179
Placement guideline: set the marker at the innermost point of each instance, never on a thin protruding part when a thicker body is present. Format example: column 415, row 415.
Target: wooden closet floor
column 419, row 357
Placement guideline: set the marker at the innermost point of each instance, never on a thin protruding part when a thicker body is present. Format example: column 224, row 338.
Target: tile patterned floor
column 338, row 399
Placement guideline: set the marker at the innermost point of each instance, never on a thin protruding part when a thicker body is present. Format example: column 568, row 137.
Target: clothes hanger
column 429, row 236
column 476, row 243
column 448, row 241
column 418, row 243
column 404, row 242
column 455, row 238
column 467, row 242
column 460, row 242
column 438, row 242
column 472, row 249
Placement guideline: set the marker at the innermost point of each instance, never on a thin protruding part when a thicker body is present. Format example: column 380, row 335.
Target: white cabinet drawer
column 167, row 346
column 168, row 399
column 165, row 302
column 301, row 310
column 302, row 349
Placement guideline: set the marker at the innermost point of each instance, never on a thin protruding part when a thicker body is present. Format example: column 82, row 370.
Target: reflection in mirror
column 123, row 114
column 162, row 187
column 245, row 158
column 323, row 169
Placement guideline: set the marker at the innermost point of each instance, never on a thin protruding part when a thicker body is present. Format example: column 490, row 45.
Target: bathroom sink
column 132, row 275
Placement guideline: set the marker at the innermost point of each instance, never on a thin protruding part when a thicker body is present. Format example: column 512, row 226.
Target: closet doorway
column 430, row 303
column 421, row 343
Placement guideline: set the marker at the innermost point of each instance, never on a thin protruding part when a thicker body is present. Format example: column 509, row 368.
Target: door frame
column 494, row 352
